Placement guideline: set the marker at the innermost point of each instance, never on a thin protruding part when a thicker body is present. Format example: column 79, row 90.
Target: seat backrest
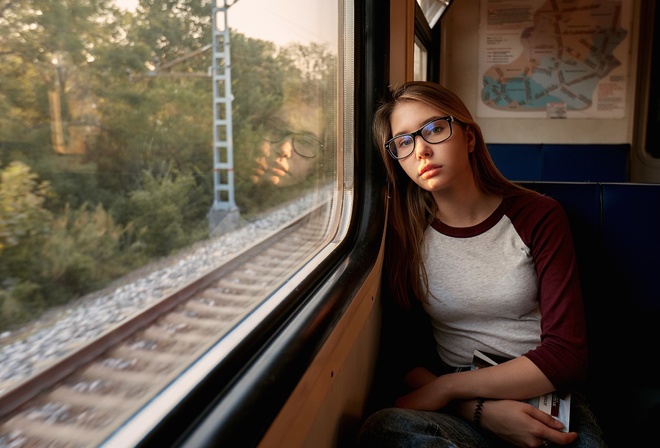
column 517, row 161
column 585, row 163
column 562, row 162
column 631, row 222
column 615, row 227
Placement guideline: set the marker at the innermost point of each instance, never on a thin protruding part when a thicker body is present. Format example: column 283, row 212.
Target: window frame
column 430, row 39
column 235, row 403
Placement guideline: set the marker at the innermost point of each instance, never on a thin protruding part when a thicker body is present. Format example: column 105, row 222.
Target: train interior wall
column 459, row 71
column 327, row 406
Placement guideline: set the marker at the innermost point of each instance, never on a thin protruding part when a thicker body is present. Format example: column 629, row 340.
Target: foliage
column 24, row 226
column 81, row 253
column 46, row 259
column 160, row 212
column 22, row 215
column 131, row 177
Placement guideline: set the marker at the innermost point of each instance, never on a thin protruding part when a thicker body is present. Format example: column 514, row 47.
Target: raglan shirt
column 509, row 286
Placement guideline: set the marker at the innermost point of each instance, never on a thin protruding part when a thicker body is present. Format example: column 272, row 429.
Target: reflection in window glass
column 433, row 10
column 420, row 61
column 107, row 172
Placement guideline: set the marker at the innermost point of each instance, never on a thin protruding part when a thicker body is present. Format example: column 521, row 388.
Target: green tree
column 173, row 28
column 24, row 225
column 22, row 212
column 160, row 214
column 129, row 94
column 81, row 253
column 45, row 259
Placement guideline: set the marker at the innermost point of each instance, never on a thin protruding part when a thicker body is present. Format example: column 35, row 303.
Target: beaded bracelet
column 476, row 418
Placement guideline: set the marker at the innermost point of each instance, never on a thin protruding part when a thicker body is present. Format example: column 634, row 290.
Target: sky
column 282, row 21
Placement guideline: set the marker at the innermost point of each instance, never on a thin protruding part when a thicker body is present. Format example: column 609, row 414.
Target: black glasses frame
column 449, row 119
column 274, row 131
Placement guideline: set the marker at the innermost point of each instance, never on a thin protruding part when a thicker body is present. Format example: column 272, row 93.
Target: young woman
column 491, row 266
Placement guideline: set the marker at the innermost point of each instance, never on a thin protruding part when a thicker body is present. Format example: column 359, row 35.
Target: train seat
column 517, row 162
column 631, row 219
column 614, row 226
column 562, row 162
column 585, row 163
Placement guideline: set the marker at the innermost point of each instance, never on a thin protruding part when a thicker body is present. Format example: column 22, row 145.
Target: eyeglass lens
column 437, row 131
column 304, row 144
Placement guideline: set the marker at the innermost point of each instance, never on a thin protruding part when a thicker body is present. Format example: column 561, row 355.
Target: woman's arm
column 518, row 379
column 516, row 422
column 562, row 354
column 418, row 377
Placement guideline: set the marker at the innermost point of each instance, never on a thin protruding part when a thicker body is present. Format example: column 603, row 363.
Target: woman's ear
column 470, row 138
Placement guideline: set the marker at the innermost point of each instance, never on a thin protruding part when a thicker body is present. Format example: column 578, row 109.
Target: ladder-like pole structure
column 224, row 210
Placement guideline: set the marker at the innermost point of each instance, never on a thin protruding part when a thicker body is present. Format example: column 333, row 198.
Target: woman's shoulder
column 531, row 205
column 527, row 198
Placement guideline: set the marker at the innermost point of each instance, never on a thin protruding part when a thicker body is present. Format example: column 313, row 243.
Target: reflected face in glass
column 302, row 143
column 290, row 146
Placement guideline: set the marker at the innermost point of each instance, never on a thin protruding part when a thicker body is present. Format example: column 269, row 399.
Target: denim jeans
column 406, row 428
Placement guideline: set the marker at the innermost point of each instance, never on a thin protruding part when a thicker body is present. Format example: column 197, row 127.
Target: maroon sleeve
column 543, row 225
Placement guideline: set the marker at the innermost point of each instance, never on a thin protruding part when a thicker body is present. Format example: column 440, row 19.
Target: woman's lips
column 428, row 171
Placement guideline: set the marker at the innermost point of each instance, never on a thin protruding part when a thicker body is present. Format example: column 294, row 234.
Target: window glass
column 420, row 61
column 143, row 143
column 433, row 10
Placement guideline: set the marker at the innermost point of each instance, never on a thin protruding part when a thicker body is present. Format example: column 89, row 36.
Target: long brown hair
column 411, row 208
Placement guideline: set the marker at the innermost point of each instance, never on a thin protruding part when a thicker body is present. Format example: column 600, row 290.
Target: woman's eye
column 404, row 141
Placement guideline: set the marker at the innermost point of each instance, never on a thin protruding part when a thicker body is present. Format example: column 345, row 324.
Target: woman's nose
column 422, row 148
column 286, row 149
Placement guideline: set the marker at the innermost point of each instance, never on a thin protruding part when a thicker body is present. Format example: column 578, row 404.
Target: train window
column 420, row 61
column 422, row 43
column 433, row 10
column 427, row 38
column 151, row 151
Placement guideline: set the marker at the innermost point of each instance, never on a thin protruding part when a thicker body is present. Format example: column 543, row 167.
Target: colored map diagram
column 566, row 55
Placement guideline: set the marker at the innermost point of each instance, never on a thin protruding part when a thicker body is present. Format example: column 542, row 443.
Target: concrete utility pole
column 224, row 214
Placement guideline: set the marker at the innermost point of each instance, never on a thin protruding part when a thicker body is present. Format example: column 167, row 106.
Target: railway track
column 81, row 400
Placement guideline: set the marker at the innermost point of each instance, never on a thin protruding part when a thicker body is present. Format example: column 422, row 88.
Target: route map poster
column 553, row 58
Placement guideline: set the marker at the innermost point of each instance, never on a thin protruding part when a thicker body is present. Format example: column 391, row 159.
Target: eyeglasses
column 433, row 132
column 304, row 144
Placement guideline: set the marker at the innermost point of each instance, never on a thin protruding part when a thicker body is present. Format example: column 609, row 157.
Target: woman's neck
column 465, row 208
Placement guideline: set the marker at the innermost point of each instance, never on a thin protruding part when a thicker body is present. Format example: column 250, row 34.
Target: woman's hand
column 428, row 393
column 522, row 424
column 514, row 421
column 418, row 377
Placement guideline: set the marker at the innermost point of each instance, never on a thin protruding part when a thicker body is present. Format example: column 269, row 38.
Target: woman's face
column 434, row 167
column 291, row 145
